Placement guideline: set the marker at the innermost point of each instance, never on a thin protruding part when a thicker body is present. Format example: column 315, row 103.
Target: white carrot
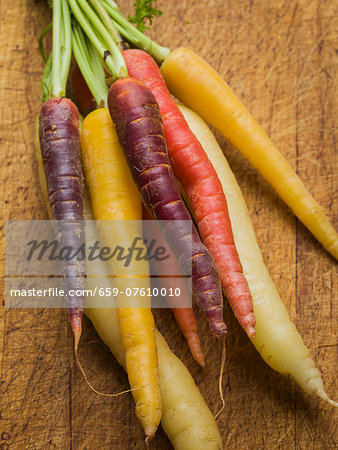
column 277, row 339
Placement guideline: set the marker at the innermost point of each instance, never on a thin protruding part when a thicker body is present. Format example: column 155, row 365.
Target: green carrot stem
column 100, row 38
column 56, row 56
column 133, row 35
column 55, row 85
column 108, row 23
column 66, row 53
column 41, row 39
column 97, row 42
column 90, row 66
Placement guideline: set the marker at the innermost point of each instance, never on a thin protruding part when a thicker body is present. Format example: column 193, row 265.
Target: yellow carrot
column 199, row 86
column 186, row 419
column 114, row 197
column 277, row 339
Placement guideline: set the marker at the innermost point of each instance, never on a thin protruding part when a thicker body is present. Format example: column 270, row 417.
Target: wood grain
column 280, row 58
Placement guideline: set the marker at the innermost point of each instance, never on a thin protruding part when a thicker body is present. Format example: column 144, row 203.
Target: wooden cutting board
column 280, row 59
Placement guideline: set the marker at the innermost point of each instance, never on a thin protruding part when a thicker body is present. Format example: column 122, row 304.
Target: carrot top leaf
column 144, row 10
column 132, row 34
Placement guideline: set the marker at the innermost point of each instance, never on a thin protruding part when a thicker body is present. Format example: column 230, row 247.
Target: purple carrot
column 60, row 150
column 135, row 113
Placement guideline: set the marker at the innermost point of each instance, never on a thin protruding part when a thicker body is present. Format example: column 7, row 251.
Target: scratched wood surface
column 280, row 58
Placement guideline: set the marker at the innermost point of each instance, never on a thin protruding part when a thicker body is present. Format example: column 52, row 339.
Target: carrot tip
column 194, row 345
column 77, row 331
column 199, row 359
column 251, row 332
column 219, row 329
column 323, row 395
column 150, row 433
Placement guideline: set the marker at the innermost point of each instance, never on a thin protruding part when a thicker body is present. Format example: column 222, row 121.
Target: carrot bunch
column 138, row 147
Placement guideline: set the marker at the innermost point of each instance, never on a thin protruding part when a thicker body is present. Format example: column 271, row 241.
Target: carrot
column 199, row 180
column 60, row 150
column 184, row 316
column 135, row 113
column 186, row 418
column 117, row 205
column 277, row 339
column 193, row 81
column 200, row 87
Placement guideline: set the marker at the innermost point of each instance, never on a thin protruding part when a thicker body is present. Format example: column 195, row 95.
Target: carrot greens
column 90, row 65
column 99, row 37
column 144, row 10
column 133, row 35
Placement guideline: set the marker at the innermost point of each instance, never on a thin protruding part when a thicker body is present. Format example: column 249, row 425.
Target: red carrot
column 183, row 313
column 60, row 150
column 139, row 127
column 200, row 181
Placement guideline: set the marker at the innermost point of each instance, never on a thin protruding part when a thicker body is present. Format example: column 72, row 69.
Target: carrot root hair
column 146, row 441
column 323, row 395
column 86, row 378
column 220, row 379
column 332, row 402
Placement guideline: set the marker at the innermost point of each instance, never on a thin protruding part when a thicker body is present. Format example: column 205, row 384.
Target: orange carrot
column 186, row 320
column 184, row 316
column 200, row 181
